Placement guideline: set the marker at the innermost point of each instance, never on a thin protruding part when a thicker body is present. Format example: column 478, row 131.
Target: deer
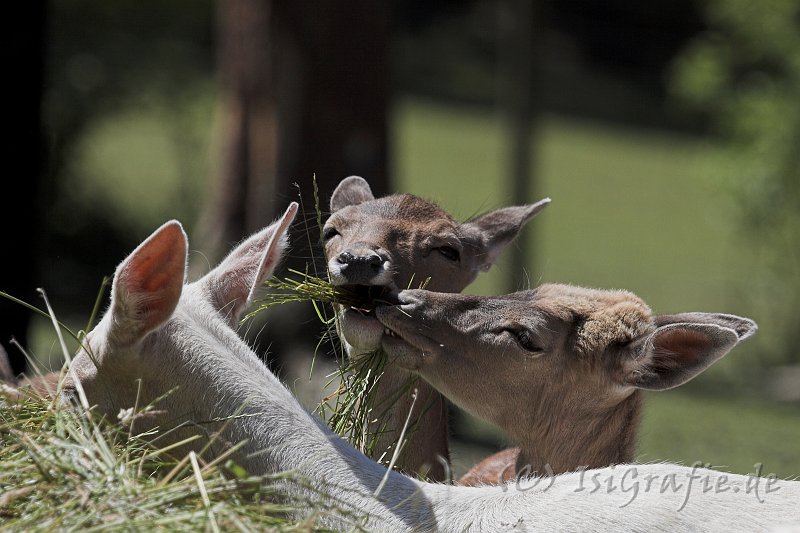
column 560, row 369
column 390, row 243
column 160, row 334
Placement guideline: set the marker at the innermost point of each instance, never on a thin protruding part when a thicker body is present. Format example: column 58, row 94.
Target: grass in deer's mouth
column 369, row 296
column 355, row 410
column 303, row 287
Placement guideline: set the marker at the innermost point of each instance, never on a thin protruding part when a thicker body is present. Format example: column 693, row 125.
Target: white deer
column 169, row 335
column 392, row 242
column 560, row 369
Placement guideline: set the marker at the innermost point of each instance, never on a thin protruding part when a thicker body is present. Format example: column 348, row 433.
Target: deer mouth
column 363, row 299
column 404, row 339
column 358, row 323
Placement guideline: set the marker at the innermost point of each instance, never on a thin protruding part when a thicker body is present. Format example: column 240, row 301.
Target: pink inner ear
column 679, row 353
column 686, row 347
column 149, row 282
column 157, row 265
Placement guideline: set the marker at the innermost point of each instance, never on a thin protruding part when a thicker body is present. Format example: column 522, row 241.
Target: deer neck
column 425, row 450
column 590, row 440
column 254, row 410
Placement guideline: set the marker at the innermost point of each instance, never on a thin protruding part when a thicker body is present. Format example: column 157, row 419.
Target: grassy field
column 630, row 209
column 731, row 435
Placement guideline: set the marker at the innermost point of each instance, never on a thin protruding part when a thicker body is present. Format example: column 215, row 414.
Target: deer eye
column 449, row 253
column 329, row 233
column 526, row 340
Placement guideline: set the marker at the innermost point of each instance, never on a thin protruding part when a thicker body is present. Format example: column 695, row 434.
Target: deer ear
column 351, row 191
column 233, row 283
column 744, row 327
column 495, row 230
column 677, row 352
column 148, row 283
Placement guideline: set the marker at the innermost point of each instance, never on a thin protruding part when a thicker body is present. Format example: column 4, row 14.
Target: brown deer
column 393, row 242
column 560, row 369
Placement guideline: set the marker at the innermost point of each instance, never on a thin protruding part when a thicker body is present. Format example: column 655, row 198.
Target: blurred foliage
column 142, row 163
column 744, row 71
column 127, row 109
column 129, row 98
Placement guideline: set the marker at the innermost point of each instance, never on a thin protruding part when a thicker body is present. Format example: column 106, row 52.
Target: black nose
column 372, row 259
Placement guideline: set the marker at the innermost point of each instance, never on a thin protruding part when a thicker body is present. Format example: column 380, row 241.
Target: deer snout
column 410, row 296
column 413, row 300
column 371, row 260
column 433, row 306
column 365, row 266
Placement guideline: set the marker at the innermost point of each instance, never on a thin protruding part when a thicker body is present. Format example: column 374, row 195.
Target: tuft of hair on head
column 618, row 323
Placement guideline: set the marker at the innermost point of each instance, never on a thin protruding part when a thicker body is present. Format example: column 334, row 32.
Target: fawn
column 390, row 243
column 559, row 368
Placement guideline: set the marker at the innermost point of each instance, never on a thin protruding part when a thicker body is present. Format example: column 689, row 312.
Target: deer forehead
column 405, row 207
column 401, row 214
column 601, row 317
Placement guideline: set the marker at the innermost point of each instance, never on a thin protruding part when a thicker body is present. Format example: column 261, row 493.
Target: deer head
column 159, row 329
column 169, row 334
column 390, row 243
column 556, row 367
column 402, row 240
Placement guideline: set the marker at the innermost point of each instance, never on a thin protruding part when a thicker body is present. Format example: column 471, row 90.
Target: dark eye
column 449, row 253
column 526, row 340
column 329, row 233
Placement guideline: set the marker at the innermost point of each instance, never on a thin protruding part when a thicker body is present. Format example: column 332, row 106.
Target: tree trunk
column 304, row 92
column 518, row 37
column 243, row 186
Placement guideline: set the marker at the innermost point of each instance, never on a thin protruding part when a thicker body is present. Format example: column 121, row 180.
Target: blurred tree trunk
column 518, row 31
column 333, row 81
column 22, row 154
column 245, row 179
column 304, row 91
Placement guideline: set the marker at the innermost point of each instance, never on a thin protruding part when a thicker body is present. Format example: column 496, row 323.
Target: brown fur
column 604, row 419
column 417, row 242
column 494, row 470
column 387, row 221
column 560, row 368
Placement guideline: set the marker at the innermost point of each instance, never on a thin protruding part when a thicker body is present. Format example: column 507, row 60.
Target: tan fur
column 558, row 368
column 403, row 236
column 603, row 419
